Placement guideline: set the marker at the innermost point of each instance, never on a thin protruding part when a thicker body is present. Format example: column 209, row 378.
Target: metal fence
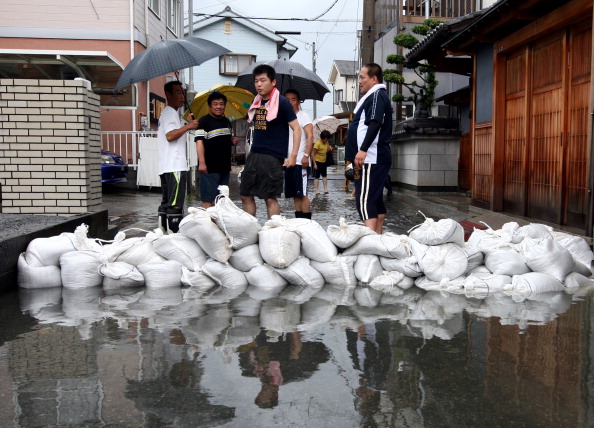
column 125, row 144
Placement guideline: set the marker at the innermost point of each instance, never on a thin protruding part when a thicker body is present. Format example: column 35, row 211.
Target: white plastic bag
column 80, row 269
column 120, row 275
column 199, row 225
column 548, row 256
column 432, row 232
column 300, row 273
column 37, row 276
column 344, row 234
column 315, row 243
column 279, row 245
column 165, row 274
column 246, row 258
column 443, row 261
column 387, row 244
column 240, row 227
column 264, row 276
column 367, row 267
column 182, row 249
column 506, row 262
column 225, row 275
column 47, row 251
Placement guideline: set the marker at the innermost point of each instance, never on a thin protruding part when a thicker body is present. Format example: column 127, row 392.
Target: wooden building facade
column 531, row 104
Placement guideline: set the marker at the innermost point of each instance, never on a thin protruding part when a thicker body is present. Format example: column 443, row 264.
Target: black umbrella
column 168, row 56
column 289, row 75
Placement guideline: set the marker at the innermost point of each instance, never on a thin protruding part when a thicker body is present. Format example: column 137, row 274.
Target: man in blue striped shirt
column 368, row 146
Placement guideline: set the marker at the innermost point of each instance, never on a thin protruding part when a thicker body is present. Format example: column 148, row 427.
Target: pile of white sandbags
column 225, row 250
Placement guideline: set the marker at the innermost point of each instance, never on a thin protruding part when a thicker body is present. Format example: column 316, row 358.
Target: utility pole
column 191, row 34
column 313, row 66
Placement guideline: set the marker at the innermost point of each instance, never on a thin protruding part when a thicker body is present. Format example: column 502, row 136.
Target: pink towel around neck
column 271, row 106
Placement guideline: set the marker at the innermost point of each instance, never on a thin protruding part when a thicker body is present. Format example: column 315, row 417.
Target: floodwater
column 177, row 358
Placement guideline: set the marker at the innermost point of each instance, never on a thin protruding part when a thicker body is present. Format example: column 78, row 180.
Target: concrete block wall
column 50, row 147
column 426, row 162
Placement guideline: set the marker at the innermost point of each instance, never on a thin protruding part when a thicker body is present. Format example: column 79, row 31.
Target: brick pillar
column 50, row 146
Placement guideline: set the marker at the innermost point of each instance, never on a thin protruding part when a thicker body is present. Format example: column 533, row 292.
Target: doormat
column 469, row 227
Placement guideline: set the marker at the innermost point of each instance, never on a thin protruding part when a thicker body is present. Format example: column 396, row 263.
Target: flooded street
column 176, row 357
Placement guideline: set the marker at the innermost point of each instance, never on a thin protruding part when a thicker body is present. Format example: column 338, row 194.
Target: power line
column 209, row 15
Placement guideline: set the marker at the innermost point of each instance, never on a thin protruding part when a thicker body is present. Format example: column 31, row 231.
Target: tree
column 423, row 94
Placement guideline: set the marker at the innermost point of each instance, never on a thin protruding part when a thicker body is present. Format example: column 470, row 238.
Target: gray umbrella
column 168, row 56
column 289, row 75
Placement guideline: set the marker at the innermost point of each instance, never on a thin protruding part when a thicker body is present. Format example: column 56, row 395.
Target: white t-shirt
column 303, row 119
column 172, row 154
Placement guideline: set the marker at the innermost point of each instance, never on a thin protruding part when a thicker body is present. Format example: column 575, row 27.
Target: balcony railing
column 437, row 8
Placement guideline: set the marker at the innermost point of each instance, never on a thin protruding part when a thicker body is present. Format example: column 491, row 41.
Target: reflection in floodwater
column 176, row 357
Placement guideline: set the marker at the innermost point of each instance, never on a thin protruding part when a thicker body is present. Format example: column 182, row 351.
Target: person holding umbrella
column 214, row 140
column 271, row 115
column 173, row 160
column 296, row 176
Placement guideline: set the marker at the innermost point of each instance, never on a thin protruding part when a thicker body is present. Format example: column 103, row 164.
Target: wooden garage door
column 547, row 104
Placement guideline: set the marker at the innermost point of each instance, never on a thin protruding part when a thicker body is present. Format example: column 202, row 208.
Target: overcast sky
column 334, row 33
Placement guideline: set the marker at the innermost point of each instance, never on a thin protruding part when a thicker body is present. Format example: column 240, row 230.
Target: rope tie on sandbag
column 419, row 225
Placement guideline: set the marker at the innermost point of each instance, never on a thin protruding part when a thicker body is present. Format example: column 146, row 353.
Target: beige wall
column 50, row 147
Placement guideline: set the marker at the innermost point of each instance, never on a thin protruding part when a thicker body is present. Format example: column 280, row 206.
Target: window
column 155, row 6
column 337, row 96
column 172, row 15
column 234, row 64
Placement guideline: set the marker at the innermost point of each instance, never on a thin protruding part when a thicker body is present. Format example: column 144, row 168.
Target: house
column 530, row 102
column 42, row 39
column 247, row 41
column 345, row 85
column 384, row 19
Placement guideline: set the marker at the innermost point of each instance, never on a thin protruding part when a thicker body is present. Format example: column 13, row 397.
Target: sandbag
column 199, row 225
column 32, row 277
column 388, row 282
column 455, row 285
column 120, row 275
column 196, row 279
column 47, row 251
column 80, row 269
column 534, row 231
column 246, row 258
column 344, row 234
column 407, row 266
column 443, row 261
column 575, row 279
column 547, row 256
column 315, row 243
column 475, row 257
column 490, row 240
column 387, row 244
column 367, row 267
column 340, row 279
column 485, row 283
column 580, row 251
column 315, row 312
column 225, row 275
column 264, row 276
column 182, row 249
column 302, row 274
column 164, row 274
column 432, row 232
column 279, row 246
column 240, row 227
column 506, row 262
column 135, row 251
column 533, row 282
column 367, row 296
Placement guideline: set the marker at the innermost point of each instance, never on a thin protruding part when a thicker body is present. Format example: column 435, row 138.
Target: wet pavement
column 176, row 357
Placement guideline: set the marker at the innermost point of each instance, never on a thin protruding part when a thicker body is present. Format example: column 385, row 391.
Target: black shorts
column 173, row 189
column 370, row 188
column 262, row 176
column 295, row 182
column 322, row 170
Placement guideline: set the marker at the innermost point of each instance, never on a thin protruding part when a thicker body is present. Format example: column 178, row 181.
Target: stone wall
column 50, row 146
column 426, row 162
